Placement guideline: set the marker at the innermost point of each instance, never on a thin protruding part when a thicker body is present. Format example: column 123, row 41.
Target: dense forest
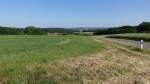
column 31, row 30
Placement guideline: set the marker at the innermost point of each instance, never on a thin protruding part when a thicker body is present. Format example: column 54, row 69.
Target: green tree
column 10, row 31
column 31, row 30
column 144, row 27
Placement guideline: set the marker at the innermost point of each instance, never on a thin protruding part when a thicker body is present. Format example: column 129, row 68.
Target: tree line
column 31, row 30
column 141, row 28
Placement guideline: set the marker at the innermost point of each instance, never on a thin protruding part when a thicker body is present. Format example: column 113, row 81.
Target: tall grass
column 17, row 53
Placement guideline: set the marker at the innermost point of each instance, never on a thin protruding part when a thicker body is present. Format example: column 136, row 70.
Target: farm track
column 114, row 65
column 64, row 42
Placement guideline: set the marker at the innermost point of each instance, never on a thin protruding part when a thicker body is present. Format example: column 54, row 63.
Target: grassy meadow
column 17, row 53
column 134, row 36
column 29, row 59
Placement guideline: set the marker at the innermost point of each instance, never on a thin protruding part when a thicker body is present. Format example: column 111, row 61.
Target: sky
column 73, row 13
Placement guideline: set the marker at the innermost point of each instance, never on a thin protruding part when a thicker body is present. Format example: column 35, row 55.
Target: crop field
column 136, row 36
column 19, row 52
column 69, row 60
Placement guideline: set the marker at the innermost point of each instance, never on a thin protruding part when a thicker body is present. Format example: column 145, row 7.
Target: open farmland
column 134, row 36
column 69, row 60
column 19, row 52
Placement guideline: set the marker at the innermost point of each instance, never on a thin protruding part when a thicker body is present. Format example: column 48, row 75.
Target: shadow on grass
column 137, row 49
column 144, row 51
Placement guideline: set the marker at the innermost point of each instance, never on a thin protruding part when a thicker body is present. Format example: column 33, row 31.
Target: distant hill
column 89, row 28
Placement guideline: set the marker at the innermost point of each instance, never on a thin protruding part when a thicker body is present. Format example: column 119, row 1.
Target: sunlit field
column 18, row 53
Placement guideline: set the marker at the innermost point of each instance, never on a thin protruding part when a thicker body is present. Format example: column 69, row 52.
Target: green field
column 136, row 36
column 19, row 52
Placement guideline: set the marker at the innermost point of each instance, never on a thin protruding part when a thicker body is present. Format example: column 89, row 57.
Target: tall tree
column 144, row 27
column 31, row 30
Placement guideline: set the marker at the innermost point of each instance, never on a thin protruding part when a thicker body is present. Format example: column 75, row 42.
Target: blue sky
column 73, row 13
